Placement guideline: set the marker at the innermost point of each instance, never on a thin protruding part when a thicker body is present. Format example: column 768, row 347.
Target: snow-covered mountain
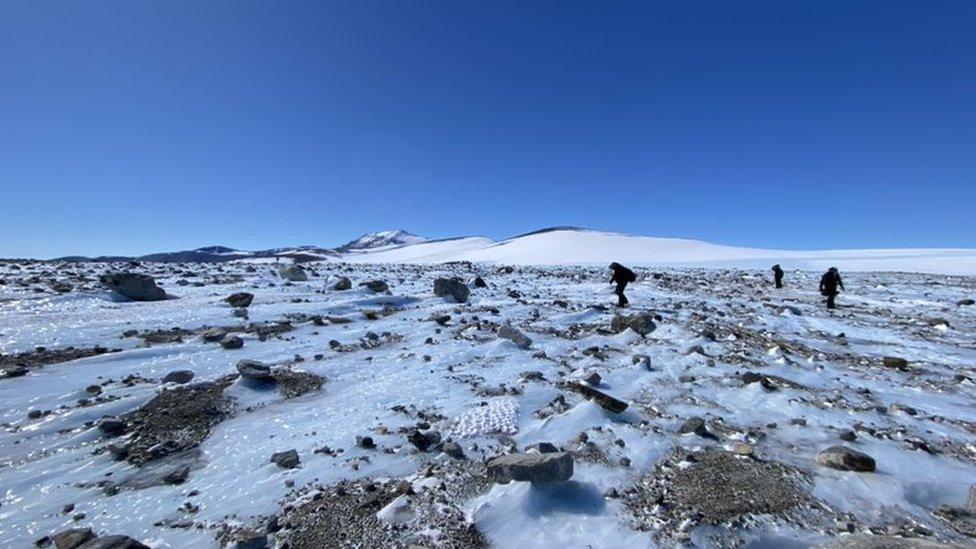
column 572, row 246
column 382, row 239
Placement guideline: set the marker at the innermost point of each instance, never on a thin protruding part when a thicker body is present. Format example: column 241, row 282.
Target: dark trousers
column 779, row 282
column 830, row 300
column 621, row 298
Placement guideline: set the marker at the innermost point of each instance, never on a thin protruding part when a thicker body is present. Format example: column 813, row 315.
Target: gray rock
column 606, row 401
column 113, row 542
column 293, row 273
column 542, row 448
column 111, row 426
column 177, row 475
column 240, row 299
column 694, row 425
column 342, row 284
column 845, row 459
column 178, row 376
column 971, row 502
column 231, row 341
column 506, row 331
column 453, row 449
column 73, row 538
column 965, row 302
column 453, row 287
column 376, row 286
column 479, row 282
column 240, row 312
column 134, row 286
column 254, row 370
column 642, row 323
column 868, row 541
column 287, row 459
column 423, row 440
column 531, row 467
column 213, row 335
column 895, row 363
column 249, row 539
column 643, row 361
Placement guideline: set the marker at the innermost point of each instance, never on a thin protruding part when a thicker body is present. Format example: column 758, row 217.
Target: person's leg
column 621, row 298
column 830, row 300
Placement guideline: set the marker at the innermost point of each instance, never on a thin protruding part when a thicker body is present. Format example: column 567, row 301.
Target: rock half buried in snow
column 642, row 323
column 286, row 460
column 240, row 299
column 895, row 362
column 453, row 287
column 293, row 273
column 254, row 370
column 608, row 402
column 376, row 286
column 179, row 377
column 531, row 467
column 846, row 459
column 137, row 287
column 506, row 331
column 341, row 284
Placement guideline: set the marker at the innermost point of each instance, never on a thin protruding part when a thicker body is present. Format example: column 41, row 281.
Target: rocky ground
column 461, row 405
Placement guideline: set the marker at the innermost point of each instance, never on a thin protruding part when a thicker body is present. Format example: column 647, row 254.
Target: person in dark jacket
column 829, row 283
column 778, row 275
column 621, row 276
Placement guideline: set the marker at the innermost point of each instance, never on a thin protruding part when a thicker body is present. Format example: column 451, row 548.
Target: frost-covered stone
column 293, row 273
column 531, row 467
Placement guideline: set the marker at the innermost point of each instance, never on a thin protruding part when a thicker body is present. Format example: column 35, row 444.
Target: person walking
column 778, row 275
column 829, row 283
column 621, row 277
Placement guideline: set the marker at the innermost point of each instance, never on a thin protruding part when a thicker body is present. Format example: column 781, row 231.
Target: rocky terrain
column 463, row 405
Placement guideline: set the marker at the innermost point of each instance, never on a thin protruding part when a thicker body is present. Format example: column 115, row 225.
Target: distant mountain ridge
column 576, row 246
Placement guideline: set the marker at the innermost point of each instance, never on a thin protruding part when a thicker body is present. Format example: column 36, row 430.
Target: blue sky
column 133, row 126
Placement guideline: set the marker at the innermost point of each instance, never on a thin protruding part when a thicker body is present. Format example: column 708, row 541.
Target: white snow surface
column 589, row 247
column 52, row 461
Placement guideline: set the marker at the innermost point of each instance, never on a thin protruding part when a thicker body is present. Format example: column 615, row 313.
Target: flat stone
column 843, row 458
column 606, row 401
column 531, row 467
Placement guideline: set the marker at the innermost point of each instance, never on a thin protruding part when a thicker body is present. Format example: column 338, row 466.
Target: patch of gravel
column 345, row 514
column 176, row 420
column 42, row 356
column 295, row 383
column 716, row 487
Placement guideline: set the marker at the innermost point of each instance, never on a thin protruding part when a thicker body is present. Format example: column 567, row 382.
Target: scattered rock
column 179, row 377
column 845, row 459
column 376, row 286
column 642, row 323
column 694, row 425
column 454, row 287
column 231, row 341
column 240, row 299
column 254, row 370
column 506, row 331
column 286, row 460
column 606, row 401
column 341, row 284
column 895, row 363
column 111, row 426
column 73, row 538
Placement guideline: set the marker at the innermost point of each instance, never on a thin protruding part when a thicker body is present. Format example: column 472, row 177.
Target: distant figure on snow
column 778, row 275
column 829, row 283
column 621, row 276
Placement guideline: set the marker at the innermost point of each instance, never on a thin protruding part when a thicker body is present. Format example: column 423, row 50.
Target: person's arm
column 841, row 283
column 613, row 277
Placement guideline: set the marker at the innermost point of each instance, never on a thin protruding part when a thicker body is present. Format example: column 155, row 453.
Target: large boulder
column 134, row 286
column 240, row 299
column 293, row 273
column 506, row 331
column 642, row 323
column 531, row 467
column 453, row 287
column 846, row 459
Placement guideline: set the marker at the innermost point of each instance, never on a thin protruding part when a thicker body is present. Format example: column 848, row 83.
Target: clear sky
column 133, row 126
